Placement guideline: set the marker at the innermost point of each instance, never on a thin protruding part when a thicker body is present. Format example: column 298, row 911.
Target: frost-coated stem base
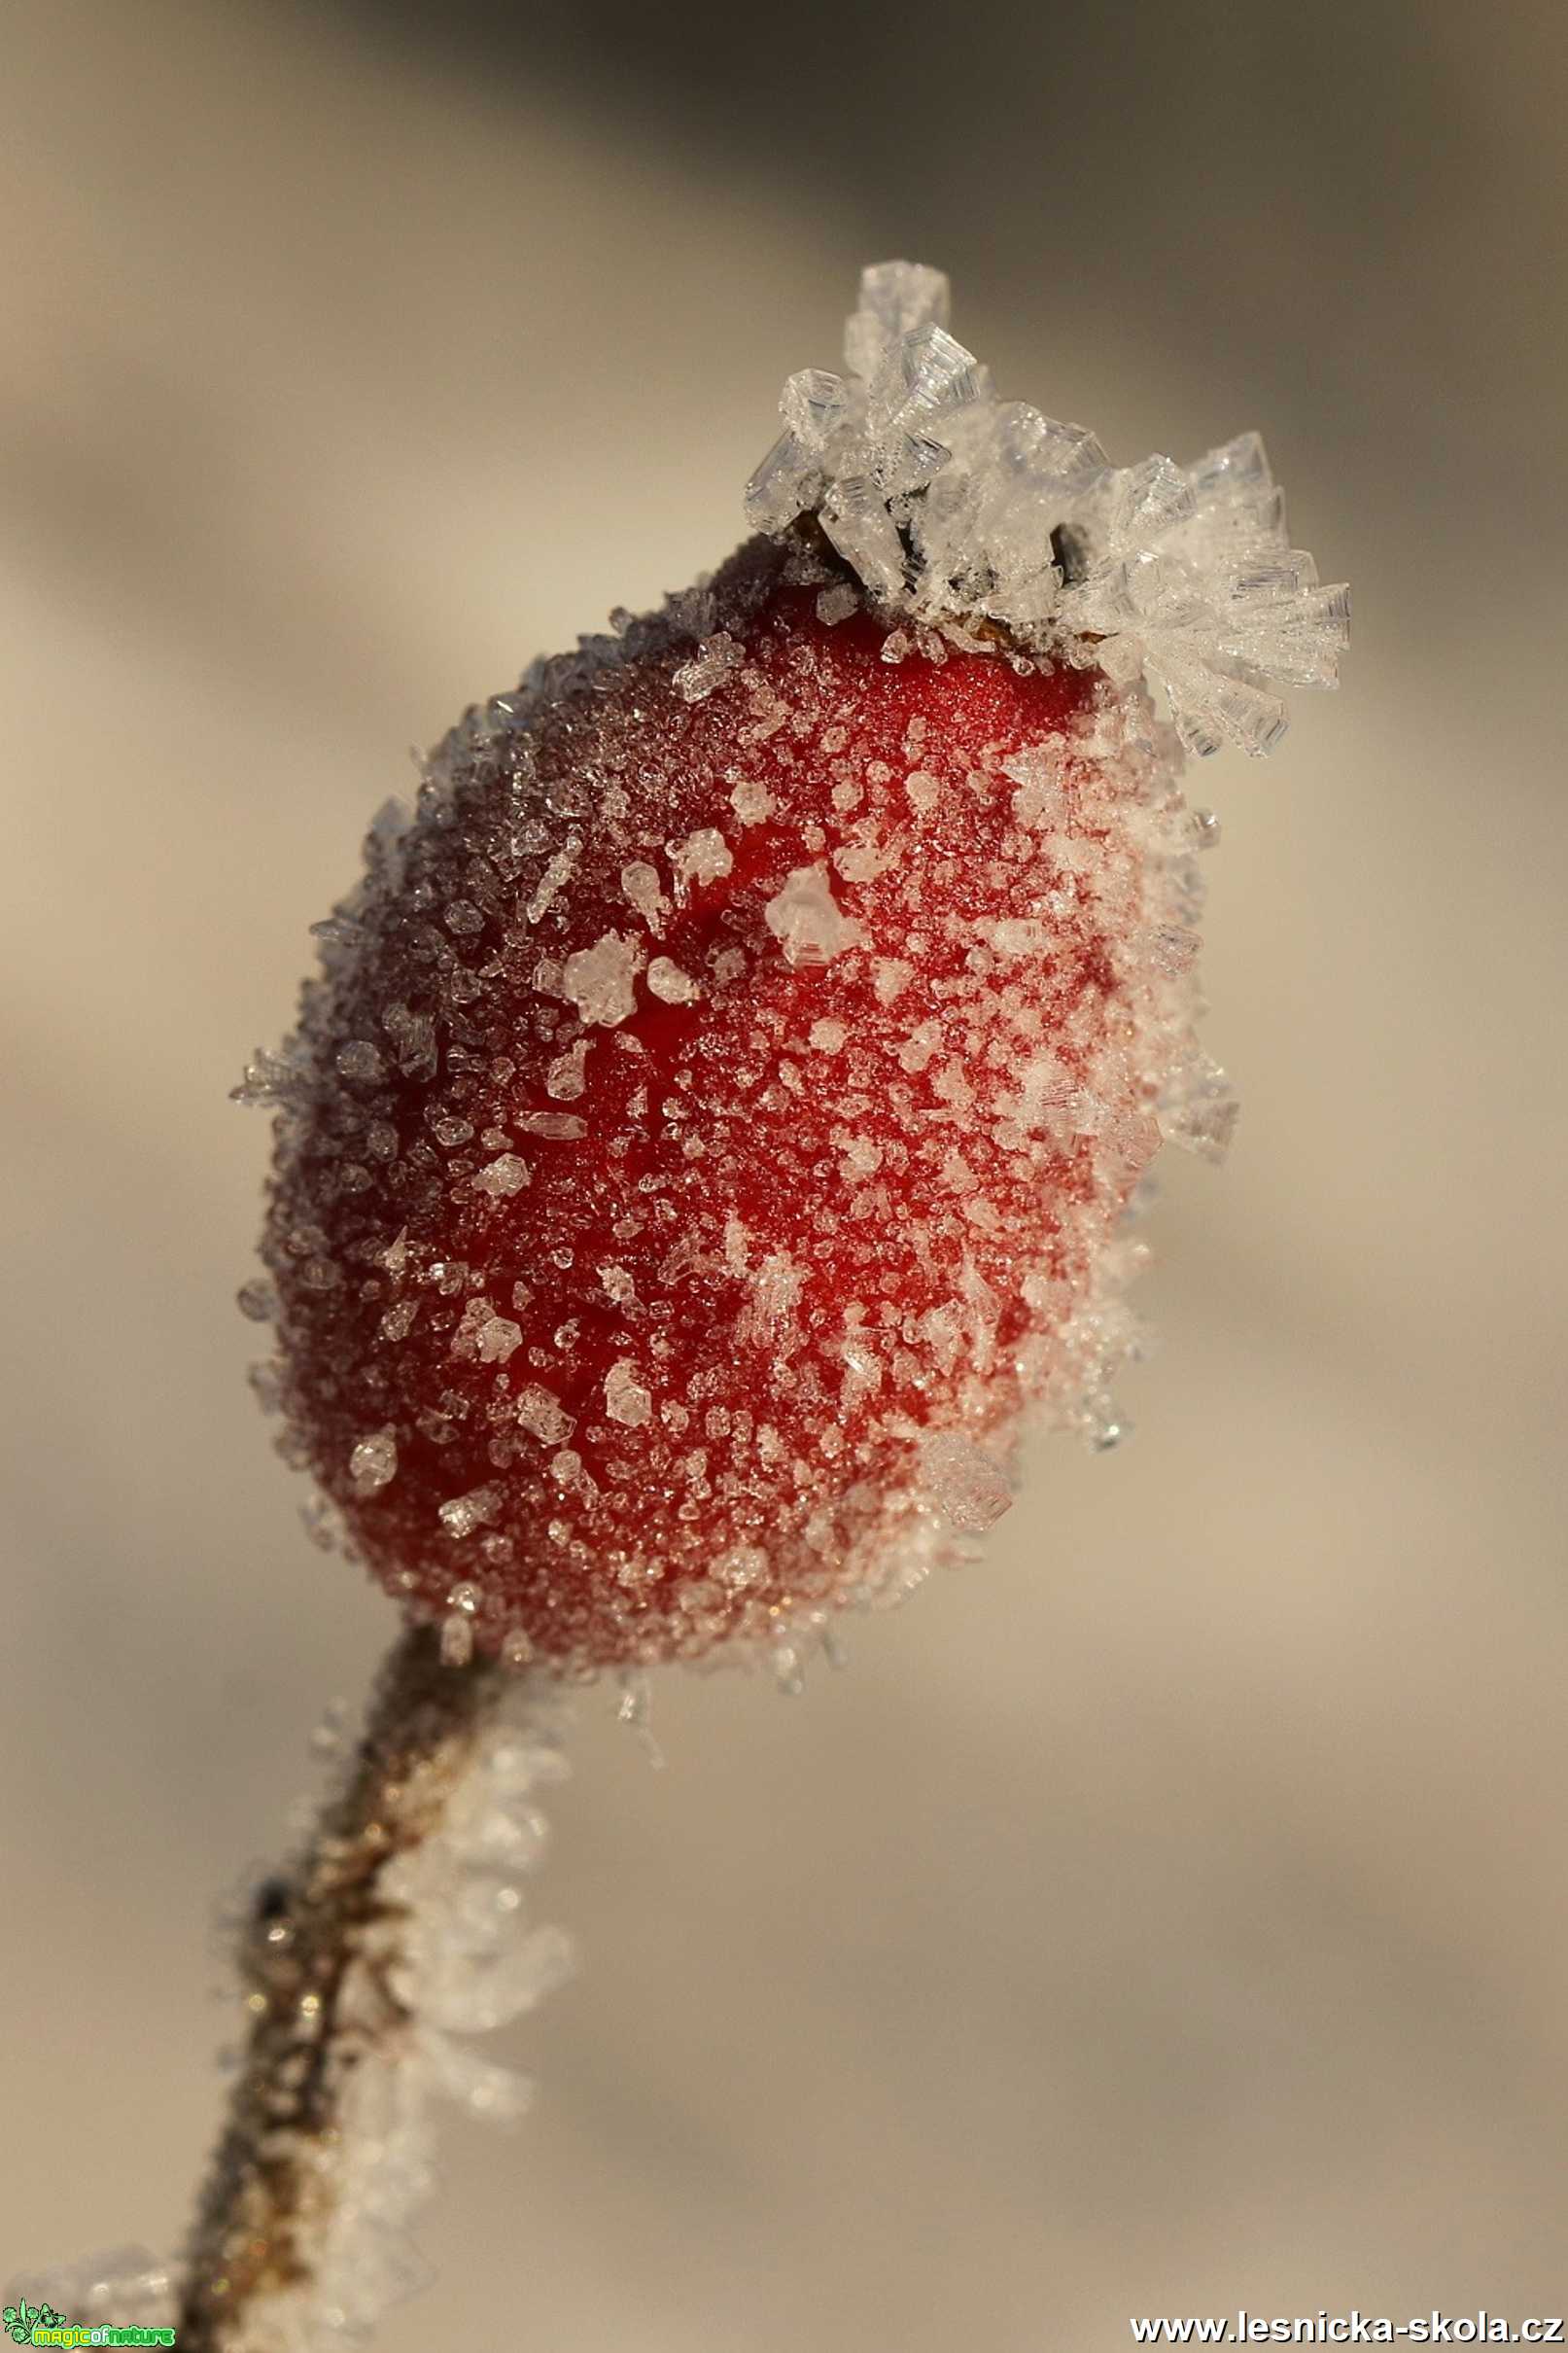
column 321, row 1959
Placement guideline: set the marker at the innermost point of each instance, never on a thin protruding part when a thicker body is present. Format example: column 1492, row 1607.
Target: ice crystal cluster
column 713, row 1127
column 953, row 507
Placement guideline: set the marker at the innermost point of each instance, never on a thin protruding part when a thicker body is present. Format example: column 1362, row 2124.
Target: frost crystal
column 670, row 984
column 505, row 1174
column 540, row 1414
column 374, row 1463
column 463, row 1514
column 836, row 603
column 641, row 882
column 742, row 1566
column 497, row 1339
column 360, row 1060
column 717, row 658
column 1198, row 1111
column 553, row 881
column 625, row 1398
column 703, row 856
column 1039, row 774
column 955, row 507
column 751, row 801
column 270, row 1080
column 558, row 1125
column 964, row 1482
column 806, row 919
column 598, row 979
column 564, row 1080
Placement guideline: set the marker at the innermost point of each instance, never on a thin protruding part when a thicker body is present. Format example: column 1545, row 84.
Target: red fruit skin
column 808, row 1248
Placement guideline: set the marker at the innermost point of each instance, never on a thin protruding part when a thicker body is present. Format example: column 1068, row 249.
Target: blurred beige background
column 1170, row 1915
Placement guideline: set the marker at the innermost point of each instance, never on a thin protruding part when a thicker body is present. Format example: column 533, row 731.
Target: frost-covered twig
column 385, row 1939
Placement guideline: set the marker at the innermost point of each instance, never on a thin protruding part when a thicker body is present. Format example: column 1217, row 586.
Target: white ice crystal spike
column 952, row 509
column 787, row 481
column 559, row 1126
column 1250, row 717
column 895, row 298
column 640, row 883
column 855, row 515
column 1141, row 502
column 923, row 373
column 813, row 404
column 457, row 1639
column 460, row 1515
column 1236, row 472
column 1037, row 449
column 991, row 518
column 554, row 879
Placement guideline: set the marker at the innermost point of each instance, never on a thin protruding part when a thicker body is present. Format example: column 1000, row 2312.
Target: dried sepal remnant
column 949, row 505
column 699, row 1185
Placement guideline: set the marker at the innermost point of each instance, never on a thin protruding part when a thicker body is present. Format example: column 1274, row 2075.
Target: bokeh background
column 1170, row 1915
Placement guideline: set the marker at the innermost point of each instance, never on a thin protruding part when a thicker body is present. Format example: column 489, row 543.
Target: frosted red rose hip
column 723, row 1087
column 709, row 1133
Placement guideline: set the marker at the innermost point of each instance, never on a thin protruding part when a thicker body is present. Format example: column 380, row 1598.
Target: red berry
column 709, row 1128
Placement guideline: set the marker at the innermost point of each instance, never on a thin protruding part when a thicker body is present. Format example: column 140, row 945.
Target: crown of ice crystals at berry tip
column 955, row 509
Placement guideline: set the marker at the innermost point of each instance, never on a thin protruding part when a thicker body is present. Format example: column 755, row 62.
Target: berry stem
column 325, row 1947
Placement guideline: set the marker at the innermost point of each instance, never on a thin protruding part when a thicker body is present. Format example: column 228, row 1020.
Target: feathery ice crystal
column 712, row 1127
